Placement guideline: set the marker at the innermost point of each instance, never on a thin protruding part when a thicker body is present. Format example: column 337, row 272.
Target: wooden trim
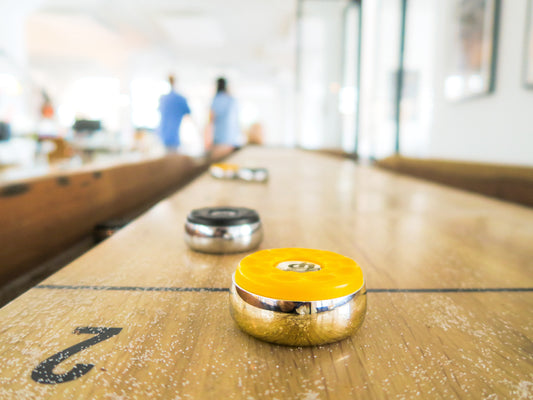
column 506, row 182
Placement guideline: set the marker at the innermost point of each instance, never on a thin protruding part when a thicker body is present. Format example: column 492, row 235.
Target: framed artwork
column 527, row 75
column 472, row 50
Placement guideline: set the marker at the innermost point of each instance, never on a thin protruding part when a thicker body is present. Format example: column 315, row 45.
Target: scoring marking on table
column 220, row 289
column 44, row 372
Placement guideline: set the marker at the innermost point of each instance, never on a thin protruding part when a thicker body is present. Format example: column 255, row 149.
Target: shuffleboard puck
column 253, row 174
column 224, row 171
column 223, row 229
column 233, row 171
column 298, row 297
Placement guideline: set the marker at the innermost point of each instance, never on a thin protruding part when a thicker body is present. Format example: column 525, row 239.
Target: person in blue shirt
column 173, row 107
column 225, row 117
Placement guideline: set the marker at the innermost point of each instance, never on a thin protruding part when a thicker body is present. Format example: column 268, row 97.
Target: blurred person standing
column 224, row 117
column 173, row 107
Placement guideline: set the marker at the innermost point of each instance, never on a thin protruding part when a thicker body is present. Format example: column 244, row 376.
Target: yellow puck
column 299, row 274
column 297, row 296
column 224, row 170
column 226, row 166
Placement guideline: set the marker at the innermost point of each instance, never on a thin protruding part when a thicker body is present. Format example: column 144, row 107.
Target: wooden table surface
column 450, row 302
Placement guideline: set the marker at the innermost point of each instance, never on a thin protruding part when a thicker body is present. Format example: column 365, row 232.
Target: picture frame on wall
column 527, row 73
column 472, row 50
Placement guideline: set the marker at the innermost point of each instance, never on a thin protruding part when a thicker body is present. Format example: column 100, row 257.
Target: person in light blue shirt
column 173, row 107
column 225, row 117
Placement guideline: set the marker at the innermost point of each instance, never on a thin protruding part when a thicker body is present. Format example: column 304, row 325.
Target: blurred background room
column 420, row 78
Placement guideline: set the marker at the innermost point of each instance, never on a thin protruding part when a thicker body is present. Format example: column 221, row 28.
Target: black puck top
column 223, row 216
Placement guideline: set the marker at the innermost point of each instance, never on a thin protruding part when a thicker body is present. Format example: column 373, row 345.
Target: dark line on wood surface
column 451, row 290
column 134, row 288
column 14, row 190
column 220, row 289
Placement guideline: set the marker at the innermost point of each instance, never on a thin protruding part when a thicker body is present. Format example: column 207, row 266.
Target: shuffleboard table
column 141, row 316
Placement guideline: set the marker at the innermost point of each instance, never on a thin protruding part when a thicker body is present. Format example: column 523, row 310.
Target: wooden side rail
column 511, row 183
column 42, row 216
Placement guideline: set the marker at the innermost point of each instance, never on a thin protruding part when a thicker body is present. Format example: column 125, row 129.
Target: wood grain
column 405, row 233
column 179, row 342
column 185, row 346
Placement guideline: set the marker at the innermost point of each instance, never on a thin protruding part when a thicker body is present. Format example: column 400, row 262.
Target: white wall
column 319, row 120
column 379, row 63
column 421, row 57
column 494, row 128
column 19, row 102
column 12, row 39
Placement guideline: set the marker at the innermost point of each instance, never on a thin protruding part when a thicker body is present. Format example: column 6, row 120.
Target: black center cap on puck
column 223, row 216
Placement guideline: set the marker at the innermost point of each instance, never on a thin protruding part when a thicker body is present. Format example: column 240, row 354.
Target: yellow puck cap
column 298, row 274
column 225, row 167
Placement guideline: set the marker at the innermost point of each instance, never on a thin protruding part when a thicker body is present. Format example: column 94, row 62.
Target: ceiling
column 252, row 38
